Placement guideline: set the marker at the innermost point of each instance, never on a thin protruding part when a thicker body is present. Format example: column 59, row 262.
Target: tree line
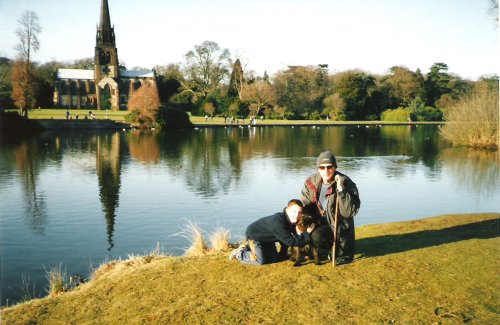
column 209, row 82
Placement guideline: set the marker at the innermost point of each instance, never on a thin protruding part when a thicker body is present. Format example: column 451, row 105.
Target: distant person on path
column 263, row 234
column 323, row 189
column 67, row 114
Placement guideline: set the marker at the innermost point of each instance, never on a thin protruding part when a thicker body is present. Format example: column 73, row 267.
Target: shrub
column 428, row 114
column 396, row 115
column 173, row 118
column 473, row 121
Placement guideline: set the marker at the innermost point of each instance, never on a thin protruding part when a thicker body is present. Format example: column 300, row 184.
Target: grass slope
column 441, row 270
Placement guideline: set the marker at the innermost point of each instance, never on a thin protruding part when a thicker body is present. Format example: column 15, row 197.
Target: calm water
column 78, row 199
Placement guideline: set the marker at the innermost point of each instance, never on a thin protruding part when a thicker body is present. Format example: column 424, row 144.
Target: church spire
column 105, row 21
column 105, row 33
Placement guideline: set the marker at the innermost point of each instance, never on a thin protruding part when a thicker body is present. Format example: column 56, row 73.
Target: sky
column 270, row 35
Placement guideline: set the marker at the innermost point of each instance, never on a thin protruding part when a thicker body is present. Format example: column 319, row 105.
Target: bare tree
column 259, row 95
column 207, row 66
column 494, row 9
column 27, row 33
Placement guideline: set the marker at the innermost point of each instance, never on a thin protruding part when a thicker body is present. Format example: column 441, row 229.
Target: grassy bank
column 440, row 270
column 60, row 114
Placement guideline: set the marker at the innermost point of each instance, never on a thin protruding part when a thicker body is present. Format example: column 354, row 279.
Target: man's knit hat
column 326, row 158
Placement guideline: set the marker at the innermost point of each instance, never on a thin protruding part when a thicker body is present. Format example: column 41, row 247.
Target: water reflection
column 476, row 169
column 28, row 158
column 209, row 160
column 144, row 147
column 108, row 165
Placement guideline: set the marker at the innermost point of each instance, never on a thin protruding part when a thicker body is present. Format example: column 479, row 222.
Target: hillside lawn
column 439, row 270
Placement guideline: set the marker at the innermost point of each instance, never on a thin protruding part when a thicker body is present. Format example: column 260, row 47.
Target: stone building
column 107, row 86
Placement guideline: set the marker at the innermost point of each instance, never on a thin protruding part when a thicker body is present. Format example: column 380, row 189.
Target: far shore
column 56, row 119
column 112, row 124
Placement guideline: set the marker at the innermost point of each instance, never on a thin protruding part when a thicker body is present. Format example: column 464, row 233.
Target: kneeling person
column 263, row 234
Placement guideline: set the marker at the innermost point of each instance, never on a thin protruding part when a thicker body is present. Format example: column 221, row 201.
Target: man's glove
column 340, row 182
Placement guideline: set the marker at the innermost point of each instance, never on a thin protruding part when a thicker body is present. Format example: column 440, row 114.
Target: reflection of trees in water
column 403, row 146
column 211, row 161
column 108, row 165
column 143, row 146
column 28, row 159
column 477, row 168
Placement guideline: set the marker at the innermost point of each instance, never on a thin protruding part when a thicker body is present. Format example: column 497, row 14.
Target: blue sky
column 269, row 35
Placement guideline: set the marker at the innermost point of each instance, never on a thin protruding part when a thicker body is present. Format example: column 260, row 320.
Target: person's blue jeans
column 265, row 253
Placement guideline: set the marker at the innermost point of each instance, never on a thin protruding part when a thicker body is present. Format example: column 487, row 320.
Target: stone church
column 105, row 87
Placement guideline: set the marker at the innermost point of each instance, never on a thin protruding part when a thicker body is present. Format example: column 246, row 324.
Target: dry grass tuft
column 57, row 278
column 28, row 291
column 194, row 235
column 473, row 121
column 219, row 240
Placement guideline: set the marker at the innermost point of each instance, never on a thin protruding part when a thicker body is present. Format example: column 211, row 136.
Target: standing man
column 324, row 189
column 263, row 234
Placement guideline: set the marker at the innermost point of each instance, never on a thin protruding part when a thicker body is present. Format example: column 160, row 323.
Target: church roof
column 137, row 73
column 82, row 74
column 75, row 74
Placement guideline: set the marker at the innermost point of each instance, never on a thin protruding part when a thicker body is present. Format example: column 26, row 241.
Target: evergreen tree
column 437, row 82
column 236, row 81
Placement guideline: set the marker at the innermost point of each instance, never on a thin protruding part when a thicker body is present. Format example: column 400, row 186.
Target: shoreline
column 51, row 124
column 73, row 124
column 299, row 123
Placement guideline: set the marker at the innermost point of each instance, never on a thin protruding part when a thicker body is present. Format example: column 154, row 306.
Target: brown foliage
column 146, row 101
column 209, row 108
column 258, row 94
column 473, row 121
column 405, row 85
column 22, row 90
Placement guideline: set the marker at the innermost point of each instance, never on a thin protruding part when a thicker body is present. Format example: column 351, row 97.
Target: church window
column 72, row 88
column 91, row 87
column 83, row 88
column 63, row 88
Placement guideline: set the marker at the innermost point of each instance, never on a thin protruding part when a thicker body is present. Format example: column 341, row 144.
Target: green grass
column 60, row 114
column 440, row 270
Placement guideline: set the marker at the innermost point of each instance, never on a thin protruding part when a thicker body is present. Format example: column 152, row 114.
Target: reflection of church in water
column 108, row 166
column 107, row 86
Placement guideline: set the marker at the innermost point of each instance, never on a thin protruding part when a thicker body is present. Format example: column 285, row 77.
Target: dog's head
column 307, row 218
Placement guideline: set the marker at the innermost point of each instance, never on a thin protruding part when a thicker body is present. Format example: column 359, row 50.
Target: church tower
column 106, row 66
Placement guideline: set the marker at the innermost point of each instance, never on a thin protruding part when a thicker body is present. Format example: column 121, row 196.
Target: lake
column 77, row 199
